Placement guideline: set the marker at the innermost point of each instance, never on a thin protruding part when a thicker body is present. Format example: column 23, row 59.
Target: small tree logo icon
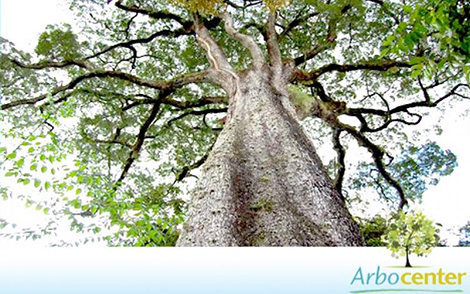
column 409, row 233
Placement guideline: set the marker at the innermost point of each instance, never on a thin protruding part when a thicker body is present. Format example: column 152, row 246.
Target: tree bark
column 263, row 183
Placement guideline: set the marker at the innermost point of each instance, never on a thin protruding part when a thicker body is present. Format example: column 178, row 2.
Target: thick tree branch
column 175, row 103
column 153, row 14
column 185, row 170
column 381, row 65
column 214, row 53
column 197, row 112
column 247, row 41
column 134, row 154
column 320, row 91
column 224, row 74
column 327, row 113
column 163, row 33
column 273, row 46
column 341, row 152
column 52, row 64
column 201, row 102
column 378, row 155
column 160, row 85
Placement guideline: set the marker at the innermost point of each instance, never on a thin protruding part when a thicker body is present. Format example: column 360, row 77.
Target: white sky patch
column 449, row 202
column 22, row 21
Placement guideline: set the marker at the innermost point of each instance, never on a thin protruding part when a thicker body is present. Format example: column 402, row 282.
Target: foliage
column 300, row 100
column 409, row 233
column 58, row 42
column 373, row 230
column 443, row 22
column 465, row 235
column 415, row 169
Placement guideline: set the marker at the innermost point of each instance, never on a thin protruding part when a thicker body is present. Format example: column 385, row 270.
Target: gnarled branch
column 159, row 85
column 341, row 152
column 163, row 33
column 153, row 14
column 426, row 102
column 381, row 65
column 247, row 41
column 377, row 155
column 134, row 153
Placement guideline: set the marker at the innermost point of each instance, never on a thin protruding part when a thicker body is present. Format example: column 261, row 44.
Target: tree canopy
column 128, row 95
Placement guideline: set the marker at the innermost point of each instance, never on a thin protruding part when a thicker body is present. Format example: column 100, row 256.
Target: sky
column 448, row 203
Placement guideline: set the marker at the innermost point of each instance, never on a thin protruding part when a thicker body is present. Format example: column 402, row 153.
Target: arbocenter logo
column 404, row 280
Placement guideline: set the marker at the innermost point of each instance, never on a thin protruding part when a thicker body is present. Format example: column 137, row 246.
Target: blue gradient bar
column 214, row 270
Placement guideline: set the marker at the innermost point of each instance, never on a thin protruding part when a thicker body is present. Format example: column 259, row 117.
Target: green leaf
column 407, row 8
column 20, row 162
column 75, row 204
column 37, row 183
column 415, row 73
column 11, row 155
column 384, row 52
column 43, row 169
column 389, row 40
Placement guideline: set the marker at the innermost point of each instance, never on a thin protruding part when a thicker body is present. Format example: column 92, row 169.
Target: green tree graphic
column 411, row 233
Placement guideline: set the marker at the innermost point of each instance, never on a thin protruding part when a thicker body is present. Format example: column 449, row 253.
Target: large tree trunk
column 263, row 183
